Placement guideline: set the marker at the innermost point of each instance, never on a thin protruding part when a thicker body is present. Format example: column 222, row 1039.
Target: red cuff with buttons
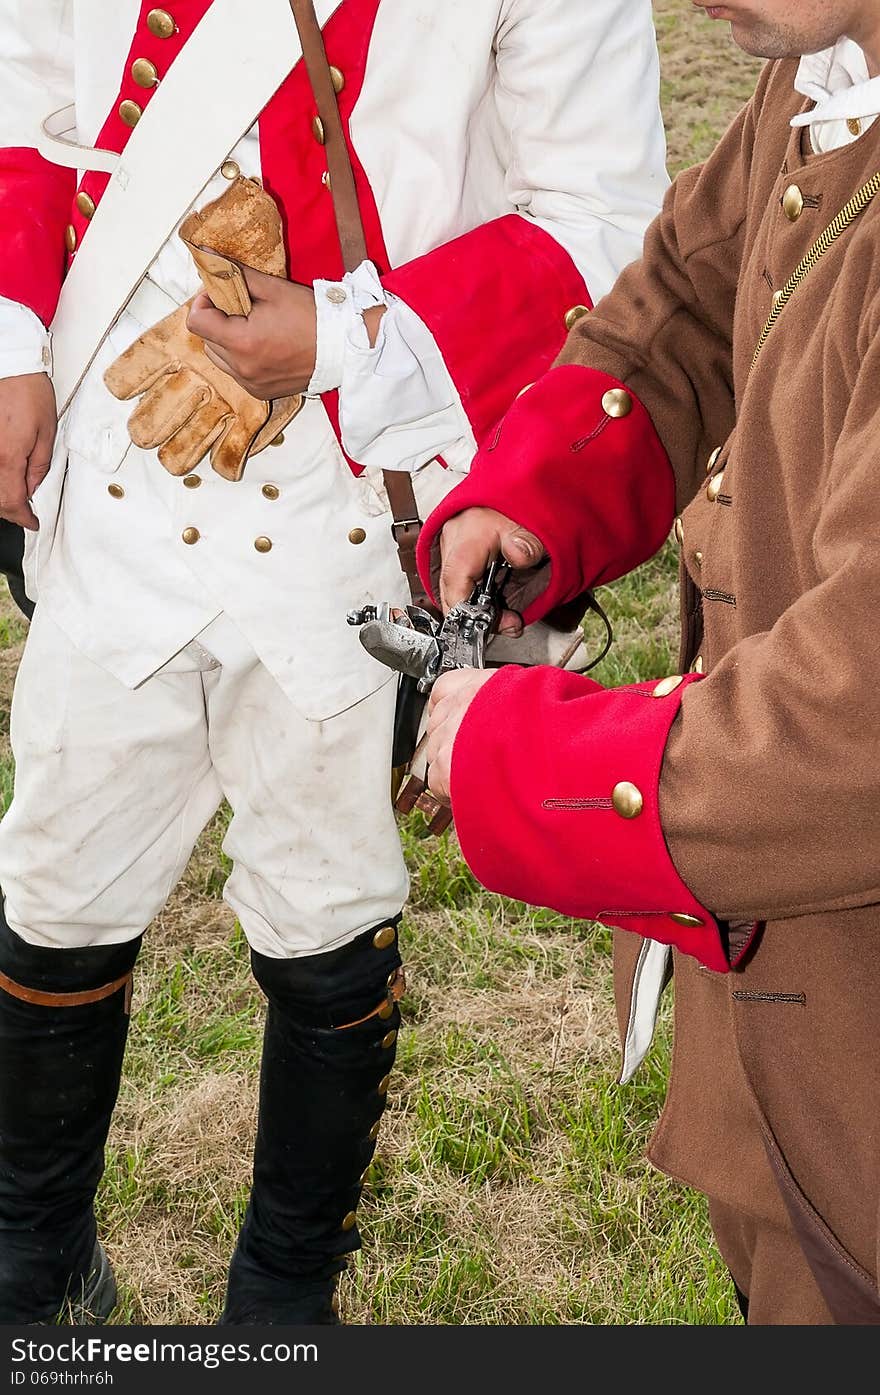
column 554, row 793
column 577, row 461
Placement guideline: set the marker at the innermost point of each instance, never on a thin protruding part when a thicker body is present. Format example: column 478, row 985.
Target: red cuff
column 496, row 302
column 34, row 212
column 555, row 799
column 577, row 461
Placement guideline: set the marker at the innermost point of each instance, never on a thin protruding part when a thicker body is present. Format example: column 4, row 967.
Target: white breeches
column 113, row 787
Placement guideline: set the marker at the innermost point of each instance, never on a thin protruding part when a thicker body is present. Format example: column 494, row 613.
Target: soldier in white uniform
column 189, row 641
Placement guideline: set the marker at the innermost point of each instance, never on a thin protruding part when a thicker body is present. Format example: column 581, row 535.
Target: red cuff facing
column 496, row 301
column 577, row 461
column 34, row 211
column 555, row 799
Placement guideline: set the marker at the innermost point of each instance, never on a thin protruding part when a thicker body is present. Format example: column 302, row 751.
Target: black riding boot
column 63, row 1024
column 328, row 1048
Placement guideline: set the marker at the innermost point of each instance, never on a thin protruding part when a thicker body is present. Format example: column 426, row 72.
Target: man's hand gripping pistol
column 420, row 647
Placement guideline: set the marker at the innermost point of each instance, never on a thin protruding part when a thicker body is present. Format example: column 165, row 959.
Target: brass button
column 392, row 978
column 130, row 113
column 388, row 1040
column 270, row 491
column 318, row 131
column 680, row 918
column 713, row 460
column 191, row 481
column 385, row 1011
column 364, row 1175
column 854, row 126
column 85, row 203
column 576, row 313
column 350, row 1221
column 70, row 237
column 667, row 685
column 627, row 800
column 698, row 666
column 525, row 389
column 161, row 24
column 145, row 73
column 382, row 1087
column 116, row 491
column 385, row 937
column 777, row 296
column 190, row 535
column 357, row 535
column 277, row 440
column 374, row 1131
column 715, row 486
column 230, row 169
column 336, row 295
column 792, row 203
column 698, row 558
column 617, row 403
column 338, row 79
column 678, row 530
column 263, row 544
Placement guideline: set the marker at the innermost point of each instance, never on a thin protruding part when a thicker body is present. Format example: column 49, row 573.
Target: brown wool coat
column 770, row 791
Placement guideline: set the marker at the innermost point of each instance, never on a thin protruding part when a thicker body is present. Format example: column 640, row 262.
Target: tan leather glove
column 188, row 407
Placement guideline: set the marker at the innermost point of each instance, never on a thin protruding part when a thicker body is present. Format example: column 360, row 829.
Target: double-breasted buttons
column 190, row 535
column 616, row 402
column 627, row 800
column 263, row 544
column 714, row 487
column 337, row 77
column 191, row 481
column 145, row 73
column 130, row 113
column 70, row 237
column 270, row 491
column 678, row 531
column 116, row 491
column 682, row 918
column 85, row 204
column 576, row 313
column 667, row 686
column 357, row 535
column 384, row 937
column 792, row 203
column 318, row 131
column 161, row 24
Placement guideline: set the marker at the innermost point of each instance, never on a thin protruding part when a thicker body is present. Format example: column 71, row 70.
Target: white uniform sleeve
column 24, row 341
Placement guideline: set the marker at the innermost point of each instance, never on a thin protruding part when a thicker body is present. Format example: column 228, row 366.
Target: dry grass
column 510, row 1185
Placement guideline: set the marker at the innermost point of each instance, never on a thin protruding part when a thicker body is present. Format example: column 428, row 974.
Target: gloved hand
column 188, row 406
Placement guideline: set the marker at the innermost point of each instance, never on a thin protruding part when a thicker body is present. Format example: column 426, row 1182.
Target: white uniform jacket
column 509, row 155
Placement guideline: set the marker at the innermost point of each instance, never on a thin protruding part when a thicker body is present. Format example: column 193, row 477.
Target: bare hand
column 28, row 422
column 451, row 696
column 469, row 542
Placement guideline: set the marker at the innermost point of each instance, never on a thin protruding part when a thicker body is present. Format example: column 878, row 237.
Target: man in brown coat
column 729, row 385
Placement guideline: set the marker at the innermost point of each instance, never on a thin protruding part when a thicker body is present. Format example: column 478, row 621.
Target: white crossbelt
column 147, row 194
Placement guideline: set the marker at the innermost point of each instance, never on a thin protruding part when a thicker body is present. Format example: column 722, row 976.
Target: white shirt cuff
column 25, row 343
column 339, row 306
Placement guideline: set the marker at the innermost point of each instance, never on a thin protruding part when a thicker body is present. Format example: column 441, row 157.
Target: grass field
column 509, row 1185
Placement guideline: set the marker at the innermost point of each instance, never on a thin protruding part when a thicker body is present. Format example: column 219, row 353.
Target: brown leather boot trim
column 396, row 990
column 91, row 995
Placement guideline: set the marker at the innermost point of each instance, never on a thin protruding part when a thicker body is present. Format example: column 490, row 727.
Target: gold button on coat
column 116, row 491
column 130, row 113
column 698, row 666
column 792, row 203
column 263, row 544
column 161, row 24
column 713, row 460
column 85, row 203
column 715, row 486
column 270, row 491
column 145, row 73
column 617, row 403
column 678, row 530
column 627, row 800
column 576, row 313
column 350, row 1221
column 681, row 918
column 357, row 535
column 191, row 481
column 318, row 131
column 388, row 1040
column 70, row 237
column 382, row 1087
column 230, row 169
column 338, row 79
column 667, row 685
column 854, row 126
column 385, row 937
column 190, row 535
column 277, row 440
column 698, row 558
column 374, row 1131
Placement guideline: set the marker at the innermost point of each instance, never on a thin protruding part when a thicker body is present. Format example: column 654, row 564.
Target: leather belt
column 67, row 1000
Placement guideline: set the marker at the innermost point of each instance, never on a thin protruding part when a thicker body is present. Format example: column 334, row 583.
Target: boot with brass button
column 792, row 203
column 715, row 486
column 145, row 73
column 389, row 1039
column 349, row 1221
column 85, row 204
column 160, row 24
column 617, row 403
column 627, row 800
column 382, row 1087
